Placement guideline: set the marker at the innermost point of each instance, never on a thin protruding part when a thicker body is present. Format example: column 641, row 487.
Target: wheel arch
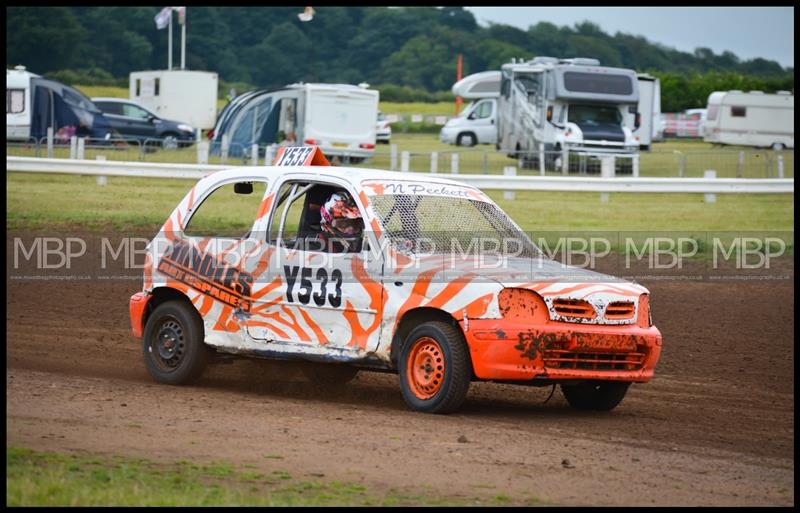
column 160, row 295
column 413, row 318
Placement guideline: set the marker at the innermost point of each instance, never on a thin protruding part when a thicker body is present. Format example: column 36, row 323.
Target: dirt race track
column 714, row 427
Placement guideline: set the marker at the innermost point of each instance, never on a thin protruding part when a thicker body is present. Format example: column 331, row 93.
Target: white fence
column 488, row 182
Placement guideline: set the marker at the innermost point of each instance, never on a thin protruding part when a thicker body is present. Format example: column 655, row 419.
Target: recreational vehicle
column 339, row 118
column 35, row 103
column 750, row 119
column 477, row 123
column 548, row 106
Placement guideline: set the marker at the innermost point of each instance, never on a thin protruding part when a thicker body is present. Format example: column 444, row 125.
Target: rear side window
column 15, row 101
column 110, row 107
column 738, row 112
column 224, row 213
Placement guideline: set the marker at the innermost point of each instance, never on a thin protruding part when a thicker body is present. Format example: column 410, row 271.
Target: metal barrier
column 508, row 181
column 728, row 163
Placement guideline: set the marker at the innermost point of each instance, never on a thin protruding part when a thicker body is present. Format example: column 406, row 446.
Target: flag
column 307, row 14
column 181, row 14
column 163, row 18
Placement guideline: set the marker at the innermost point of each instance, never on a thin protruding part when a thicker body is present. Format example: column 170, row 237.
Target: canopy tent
column 65, row 109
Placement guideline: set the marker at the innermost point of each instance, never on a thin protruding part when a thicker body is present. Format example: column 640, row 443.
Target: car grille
column 577, row 308
column 564, row 359
column 619, row 310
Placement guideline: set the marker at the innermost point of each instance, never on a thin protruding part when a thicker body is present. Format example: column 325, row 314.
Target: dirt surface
column 714, row 427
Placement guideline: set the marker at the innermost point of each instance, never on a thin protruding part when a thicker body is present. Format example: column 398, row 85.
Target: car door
column 483, row 120
column 139, row 122
column 315, row 301
column 215, row 255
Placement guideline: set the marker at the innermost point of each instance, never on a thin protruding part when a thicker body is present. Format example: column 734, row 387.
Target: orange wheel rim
column 425, row 371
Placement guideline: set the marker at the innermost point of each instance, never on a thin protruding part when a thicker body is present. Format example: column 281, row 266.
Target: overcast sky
column 748, row 32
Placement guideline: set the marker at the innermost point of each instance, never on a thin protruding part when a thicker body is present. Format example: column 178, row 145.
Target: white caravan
column 339, row 118
column 190, row 96
column 549, row 105
column 750, row 119
column 18, row 103
column 477, row 123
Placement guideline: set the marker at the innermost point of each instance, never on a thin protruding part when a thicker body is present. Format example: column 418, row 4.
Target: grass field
column 48, row 200
column 52, row 479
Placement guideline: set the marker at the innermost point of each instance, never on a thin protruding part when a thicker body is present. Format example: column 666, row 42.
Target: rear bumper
column 507, row 351
column 137, row 307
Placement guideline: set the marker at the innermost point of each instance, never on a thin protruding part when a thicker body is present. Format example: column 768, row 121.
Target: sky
column 748, row 32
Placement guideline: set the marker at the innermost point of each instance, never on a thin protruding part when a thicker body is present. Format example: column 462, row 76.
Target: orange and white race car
column 371, row 269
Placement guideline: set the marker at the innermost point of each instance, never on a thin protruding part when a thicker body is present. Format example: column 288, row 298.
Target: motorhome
column 549, row 106
column 477, row 123
column 750, row 119
column 649, row 110
column 339, row 118
column 190, row 96
column 34, row 104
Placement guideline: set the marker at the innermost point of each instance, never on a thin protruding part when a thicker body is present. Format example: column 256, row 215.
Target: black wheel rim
column 168, row 347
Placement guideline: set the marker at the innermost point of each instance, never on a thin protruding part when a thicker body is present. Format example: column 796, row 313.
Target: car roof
column 110, row 99
column 350, row 174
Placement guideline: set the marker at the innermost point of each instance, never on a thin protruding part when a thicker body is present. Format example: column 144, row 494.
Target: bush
column 88, row 76
column 406, row 94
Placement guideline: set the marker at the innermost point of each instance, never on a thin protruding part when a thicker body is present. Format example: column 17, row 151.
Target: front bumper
column 510, row 351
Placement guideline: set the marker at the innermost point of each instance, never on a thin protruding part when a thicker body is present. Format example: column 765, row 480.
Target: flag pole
column 170, row 42
column 183, row 41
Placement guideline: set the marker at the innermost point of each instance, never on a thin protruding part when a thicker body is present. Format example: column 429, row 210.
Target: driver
column 341, row 224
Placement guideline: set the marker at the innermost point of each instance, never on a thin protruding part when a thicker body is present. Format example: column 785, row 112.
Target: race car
column 370, row 269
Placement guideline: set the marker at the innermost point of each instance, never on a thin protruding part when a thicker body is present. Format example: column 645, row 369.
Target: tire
column 595, row 395
column 172, row 344
column 330, row 374
column 169, row 141
column 434, row 367
column 778, row 146
column 466, row 139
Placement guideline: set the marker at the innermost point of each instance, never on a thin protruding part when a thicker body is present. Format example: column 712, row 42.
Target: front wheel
column 172, row 343
column 435, row 369
column 595, row 395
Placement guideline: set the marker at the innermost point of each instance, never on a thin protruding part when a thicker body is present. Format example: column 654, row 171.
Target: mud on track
column 715, row 426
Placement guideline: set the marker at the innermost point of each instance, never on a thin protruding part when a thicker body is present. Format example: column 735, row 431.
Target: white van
column 477, row 123
column 750, row 119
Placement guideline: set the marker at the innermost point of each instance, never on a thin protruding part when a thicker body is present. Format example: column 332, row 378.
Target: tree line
column 408, row 53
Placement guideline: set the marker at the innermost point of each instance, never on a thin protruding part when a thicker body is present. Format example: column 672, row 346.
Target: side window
column 738, row 112
column 132, row 111
column 15, row 101
column 110, row 108
column 484, row 110
column 226, row 212
column 297, row 220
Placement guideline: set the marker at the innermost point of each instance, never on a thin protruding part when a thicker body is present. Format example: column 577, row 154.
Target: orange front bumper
column 137, row 306
column 514, row 351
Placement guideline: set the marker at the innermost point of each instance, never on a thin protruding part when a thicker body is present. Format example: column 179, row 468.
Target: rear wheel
column 595, row 395
column 434, row 368
column 778, row 146
column 172, row 343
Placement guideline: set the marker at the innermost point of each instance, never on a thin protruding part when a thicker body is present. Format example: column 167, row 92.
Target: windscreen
column 592, row 114
column 436, row 224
